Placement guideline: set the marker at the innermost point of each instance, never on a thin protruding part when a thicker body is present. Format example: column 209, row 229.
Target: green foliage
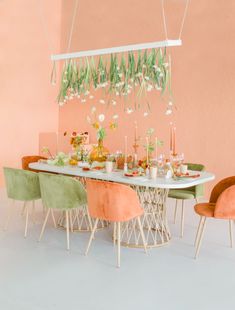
column 135, row 72
column 101, row 133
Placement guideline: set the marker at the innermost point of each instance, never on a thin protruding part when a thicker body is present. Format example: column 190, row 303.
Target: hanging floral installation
column 134, row 73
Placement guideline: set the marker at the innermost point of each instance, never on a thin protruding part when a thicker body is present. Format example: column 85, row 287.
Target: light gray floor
column 45, row 276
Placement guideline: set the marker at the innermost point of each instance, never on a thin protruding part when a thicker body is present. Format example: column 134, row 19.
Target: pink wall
column 27, row 100
column 203, row 73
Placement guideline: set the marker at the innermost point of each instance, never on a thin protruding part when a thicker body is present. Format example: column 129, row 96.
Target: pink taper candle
column 136, row 134
column 147, row 150
column 156, row 147
column 174, row 130
column 125, row 149
column 171, row 148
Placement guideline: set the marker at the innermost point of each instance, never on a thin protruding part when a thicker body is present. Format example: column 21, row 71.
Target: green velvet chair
column 194, row 192
column 23, row 186
column 61, row 193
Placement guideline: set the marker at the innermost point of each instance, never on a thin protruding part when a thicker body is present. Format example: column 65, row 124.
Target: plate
column 86, row 169
column 185, row 176
column 132, row 175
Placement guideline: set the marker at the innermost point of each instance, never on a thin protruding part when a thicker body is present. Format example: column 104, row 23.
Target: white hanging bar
column 118, row 49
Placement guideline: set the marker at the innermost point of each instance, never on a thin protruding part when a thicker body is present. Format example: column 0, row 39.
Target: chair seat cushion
column 181, row 194
column 205, row 209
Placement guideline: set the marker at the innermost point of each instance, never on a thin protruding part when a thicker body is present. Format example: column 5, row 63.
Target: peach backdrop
column 203, row 74
column 27, row 99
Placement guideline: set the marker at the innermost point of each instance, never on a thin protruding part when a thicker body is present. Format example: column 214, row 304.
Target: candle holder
column 135, row 147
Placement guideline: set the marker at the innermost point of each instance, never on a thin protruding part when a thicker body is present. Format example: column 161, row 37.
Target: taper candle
column 136, row 133
column 171, row 148
column 125, row 149
column 174, row 130
column 147, row 150
column 156, row 147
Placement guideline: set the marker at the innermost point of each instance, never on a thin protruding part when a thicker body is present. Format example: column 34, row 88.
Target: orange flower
column 96, row 125
column 113, row 126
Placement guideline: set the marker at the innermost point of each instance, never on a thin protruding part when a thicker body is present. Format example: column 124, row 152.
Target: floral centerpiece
column 46, row 151
column 77, row 141
column 150, row 147
column 99, row 152
column 60, row 159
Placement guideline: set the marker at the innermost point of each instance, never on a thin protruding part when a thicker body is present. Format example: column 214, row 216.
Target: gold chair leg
column 118, row 245
column 44, row 225
column 114, row 233
column 33, row 211
column 67, row 228
column 26, row 220
column 89, row 218
column 200, row 237
column 182, row 220
column 91, row 236
column 176, row 209
column 71, row 220
column 53, row 218
column 231, row 232
column 198, row 231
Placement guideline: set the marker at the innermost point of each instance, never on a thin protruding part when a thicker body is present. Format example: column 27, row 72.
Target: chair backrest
column 112, row 201
column 198, row 189
column 21, row 184
column 225, row 205
column 220, row 187
column 61, row 192
column 26, row 160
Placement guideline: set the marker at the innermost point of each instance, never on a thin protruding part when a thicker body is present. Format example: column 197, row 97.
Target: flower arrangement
column 77, row 139
column 60, row 159
column 99, row 152
column 97, row 121
column 137, row 73
column 152, row 144
column 46, row 151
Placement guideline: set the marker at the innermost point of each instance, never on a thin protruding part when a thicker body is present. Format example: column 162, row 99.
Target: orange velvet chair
column 26, row 160
column 115, row 203
column 220, row 206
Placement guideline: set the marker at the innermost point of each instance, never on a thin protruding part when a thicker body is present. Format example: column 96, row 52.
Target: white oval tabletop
column 118, row 176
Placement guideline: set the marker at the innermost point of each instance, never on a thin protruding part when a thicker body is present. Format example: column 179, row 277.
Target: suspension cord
column 184, row 17
column 72, row 24
column 164, row 19
column 43, row 24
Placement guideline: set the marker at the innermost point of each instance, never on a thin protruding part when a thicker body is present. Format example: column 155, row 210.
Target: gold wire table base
column 154, row 220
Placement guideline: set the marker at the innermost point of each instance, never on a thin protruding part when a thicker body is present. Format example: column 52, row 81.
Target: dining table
column 152, row 194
